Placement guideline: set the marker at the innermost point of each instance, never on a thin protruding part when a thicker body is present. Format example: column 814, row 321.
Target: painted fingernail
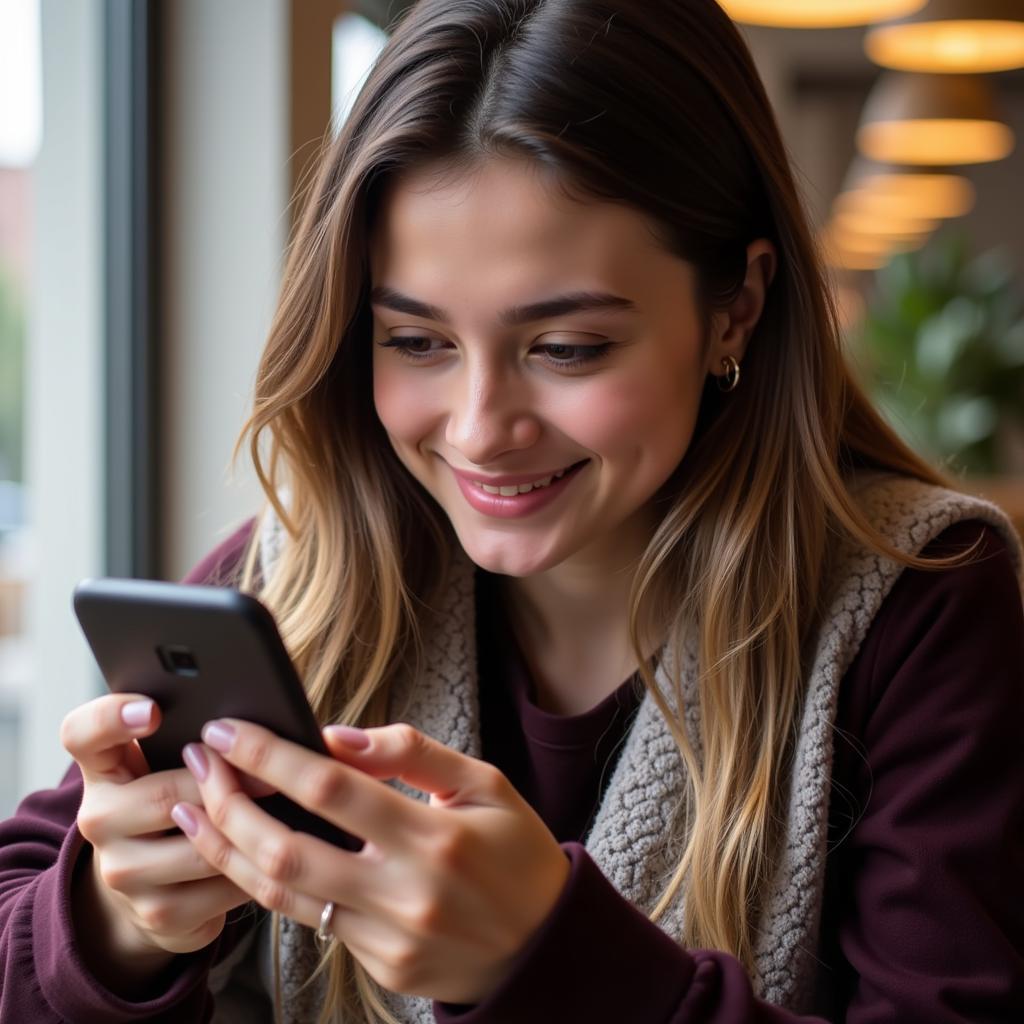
column 137, row 714
column 219, row 735
column 185, row 819
column 195, row 761
column 349, row 735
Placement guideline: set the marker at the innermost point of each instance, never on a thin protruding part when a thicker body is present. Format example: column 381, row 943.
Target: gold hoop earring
column 731, row 377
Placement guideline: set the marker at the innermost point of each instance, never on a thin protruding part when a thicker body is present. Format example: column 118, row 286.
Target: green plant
column 942, row 349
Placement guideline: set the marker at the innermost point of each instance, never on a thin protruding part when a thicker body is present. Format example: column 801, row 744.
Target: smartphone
column 202, row 653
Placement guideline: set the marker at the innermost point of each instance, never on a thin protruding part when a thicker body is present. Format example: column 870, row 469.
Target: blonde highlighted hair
column 658, row 106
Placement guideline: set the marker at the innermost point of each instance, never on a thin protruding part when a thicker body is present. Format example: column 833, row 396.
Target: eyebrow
column 560, row 305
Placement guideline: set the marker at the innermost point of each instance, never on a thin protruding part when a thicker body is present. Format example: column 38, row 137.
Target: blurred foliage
column 942, row 348
column 12, row 376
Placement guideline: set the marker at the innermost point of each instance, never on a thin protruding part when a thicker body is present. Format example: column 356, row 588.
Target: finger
column 99, row 734
column 136, row 808
column 253, row 786
column 400, row 751
column 270, row 891
column 294, row 859
column 178, row 910
column 344, row 796
column 136, row 866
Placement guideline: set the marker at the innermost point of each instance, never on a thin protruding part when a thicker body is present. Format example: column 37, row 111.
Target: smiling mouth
column 511, row 490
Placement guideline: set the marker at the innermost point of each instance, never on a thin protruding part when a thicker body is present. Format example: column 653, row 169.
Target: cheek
column 647, row 416
column 402, row 402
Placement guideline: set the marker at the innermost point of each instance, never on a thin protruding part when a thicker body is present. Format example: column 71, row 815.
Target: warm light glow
column 875, row 245
column 854, row 261
column 847, row 252
column 924, row 196
column 853, row 250
column 817, row 13
column 860, row 222
column 948, row 46
column 935, row 142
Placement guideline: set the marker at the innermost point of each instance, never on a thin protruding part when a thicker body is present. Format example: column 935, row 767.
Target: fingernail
column 195, row 761
column 219, row 735
column 137, row 714
column 185, row 819
column 349, row 735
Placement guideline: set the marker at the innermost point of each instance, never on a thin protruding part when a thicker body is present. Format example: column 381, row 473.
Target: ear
column 732, row 327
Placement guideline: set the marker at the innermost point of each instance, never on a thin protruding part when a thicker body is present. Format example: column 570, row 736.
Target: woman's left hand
column 442, row 896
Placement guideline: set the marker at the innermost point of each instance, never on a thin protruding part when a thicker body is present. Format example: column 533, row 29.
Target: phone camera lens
column 179, row 660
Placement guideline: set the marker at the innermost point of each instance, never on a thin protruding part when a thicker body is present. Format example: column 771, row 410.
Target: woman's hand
column 442, row 896
column 144, row 895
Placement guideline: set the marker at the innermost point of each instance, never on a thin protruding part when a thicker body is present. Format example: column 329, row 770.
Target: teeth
column 509, row 490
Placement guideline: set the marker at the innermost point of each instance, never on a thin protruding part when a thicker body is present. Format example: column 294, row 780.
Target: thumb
column 401, row 752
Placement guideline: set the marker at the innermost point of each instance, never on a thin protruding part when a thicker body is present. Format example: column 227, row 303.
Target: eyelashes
column 581, row 354
column 557, row 355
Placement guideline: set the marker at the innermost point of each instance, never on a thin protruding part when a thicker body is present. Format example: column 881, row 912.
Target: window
column 50, row 384
column 20, row 132
column 355, row 45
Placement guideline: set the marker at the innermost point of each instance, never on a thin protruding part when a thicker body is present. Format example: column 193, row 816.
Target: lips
column 509, row 491
column 514, row 479
column 511, row 506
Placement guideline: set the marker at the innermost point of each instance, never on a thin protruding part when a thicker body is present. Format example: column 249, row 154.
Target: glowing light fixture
column 846, row 249
column 817, row 13
column 886, row 191
column 932, row 120
column 868, row 245
column 845, row 260
column 861, row 222
column 953, row 36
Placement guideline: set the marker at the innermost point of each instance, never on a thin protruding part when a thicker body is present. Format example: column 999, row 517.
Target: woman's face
column 522, row 338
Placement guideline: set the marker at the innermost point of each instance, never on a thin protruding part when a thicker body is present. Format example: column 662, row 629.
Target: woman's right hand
column 145, row 896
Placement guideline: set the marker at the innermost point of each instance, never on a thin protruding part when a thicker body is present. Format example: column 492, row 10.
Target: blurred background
column 152, row 157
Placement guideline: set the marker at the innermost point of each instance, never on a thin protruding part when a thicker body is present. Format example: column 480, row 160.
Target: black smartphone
column 202, row 653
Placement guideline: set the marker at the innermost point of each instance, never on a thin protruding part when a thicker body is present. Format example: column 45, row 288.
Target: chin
column 510, row 556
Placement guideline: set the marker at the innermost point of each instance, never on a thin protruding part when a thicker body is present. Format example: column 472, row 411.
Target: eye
column 569, row 356
column 412, row 347
column 562, row 355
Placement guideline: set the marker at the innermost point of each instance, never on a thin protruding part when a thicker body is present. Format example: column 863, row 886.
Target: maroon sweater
column 923, row 916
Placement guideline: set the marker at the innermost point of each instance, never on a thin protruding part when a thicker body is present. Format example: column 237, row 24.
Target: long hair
column 656, row 105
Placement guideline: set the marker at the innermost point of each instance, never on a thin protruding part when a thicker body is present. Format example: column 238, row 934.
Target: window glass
column 20, row 136
column 51, row 308
column 355, row 47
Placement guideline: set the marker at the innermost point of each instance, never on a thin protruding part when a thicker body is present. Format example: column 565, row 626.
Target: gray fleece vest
column 627, row 839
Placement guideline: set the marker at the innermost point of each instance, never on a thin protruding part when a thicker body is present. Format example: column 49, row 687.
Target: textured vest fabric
column 627, row 839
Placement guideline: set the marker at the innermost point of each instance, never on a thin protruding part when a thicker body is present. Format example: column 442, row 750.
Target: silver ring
column 323, row 933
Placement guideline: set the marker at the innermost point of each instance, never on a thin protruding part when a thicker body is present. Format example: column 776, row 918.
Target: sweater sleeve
column 925, row 900
column 43, row 977
column 925, row 886
column 597, row 958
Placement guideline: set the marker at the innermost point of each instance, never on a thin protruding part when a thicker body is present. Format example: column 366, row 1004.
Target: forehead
column 507, row 219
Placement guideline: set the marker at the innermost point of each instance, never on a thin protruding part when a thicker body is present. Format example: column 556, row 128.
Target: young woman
column 661, row 680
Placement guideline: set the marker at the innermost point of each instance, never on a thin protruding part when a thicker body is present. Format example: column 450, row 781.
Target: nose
column 490, row 413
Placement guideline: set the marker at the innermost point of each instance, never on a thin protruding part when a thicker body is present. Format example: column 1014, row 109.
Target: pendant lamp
column 859, row 222
column 843, row 259
column 934, row 120
column 953, row 37
column 866, row 245
column 847, row 250
column 817, row 13
column 888, row 191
